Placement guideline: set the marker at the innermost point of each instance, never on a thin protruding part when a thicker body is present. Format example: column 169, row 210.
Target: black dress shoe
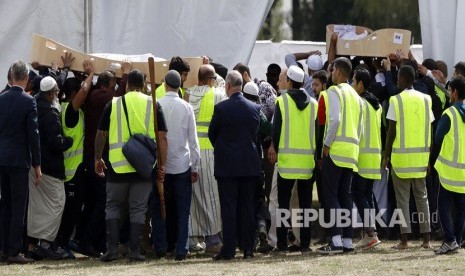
column 18, row 260
column 248, row 254
column 221, row 257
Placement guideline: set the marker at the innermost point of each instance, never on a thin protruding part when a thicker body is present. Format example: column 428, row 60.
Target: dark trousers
column 175, row 231
column 362, row 194
column 14, row 193
column 262, row 213
column 452, row 227
column 304, row 190
column 337, row 195
column 91, row 229
column 73, row 206
column 237, row 213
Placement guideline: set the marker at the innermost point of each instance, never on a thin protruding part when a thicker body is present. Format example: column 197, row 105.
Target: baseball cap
column 295, row 73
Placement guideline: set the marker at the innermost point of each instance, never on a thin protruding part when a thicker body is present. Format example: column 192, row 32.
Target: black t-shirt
column 104, row 125
column 71, row 116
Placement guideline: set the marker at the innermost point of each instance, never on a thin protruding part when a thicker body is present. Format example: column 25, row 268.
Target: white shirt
column 391, row 113
column 183, row 144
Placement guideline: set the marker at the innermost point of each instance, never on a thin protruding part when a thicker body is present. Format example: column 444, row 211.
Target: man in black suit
column 19, row 149
column 233, row 133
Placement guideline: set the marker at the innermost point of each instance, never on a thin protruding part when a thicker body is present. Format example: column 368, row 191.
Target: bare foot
column 401, row 246
column 426, row 245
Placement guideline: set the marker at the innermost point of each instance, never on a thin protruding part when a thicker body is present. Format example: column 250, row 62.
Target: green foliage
column 272, row 27
column 310, row 17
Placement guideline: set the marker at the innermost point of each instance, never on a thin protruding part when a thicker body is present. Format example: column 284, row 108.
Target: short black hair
column 104, row 79
column 460, row 68
column 294, row 84
column 274, row 67
column 344, row 65
column 458, row 84
column 363, row 75
column 242, row 68
column 71, row 85
column 180, row 65
column 412, row 63
column 135, row 79
column 320, row 75
column 407, row 73
column 430, row 64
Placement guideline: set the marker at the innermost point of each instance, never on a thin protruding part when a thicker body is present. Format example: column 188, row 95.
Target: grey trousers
column 402, row 189
column 136, row 194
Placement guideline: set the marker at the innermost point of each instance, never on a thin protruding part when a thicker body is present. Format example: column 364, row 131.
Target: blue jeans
column 175, row 230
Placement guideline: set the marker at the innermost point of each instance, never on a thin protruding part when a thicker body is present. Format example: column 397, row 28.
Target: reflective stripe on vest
column 442, row 95
column 369, row 158
column 451, row 161
column 345, row 147
column 411, row 147
column 207, row 106
column 75, row 154
column 140, row 120
column 296, row 150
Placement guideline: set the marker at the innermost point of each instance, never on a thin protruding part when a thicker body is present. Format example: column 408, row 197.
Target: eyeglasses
column 214, row 77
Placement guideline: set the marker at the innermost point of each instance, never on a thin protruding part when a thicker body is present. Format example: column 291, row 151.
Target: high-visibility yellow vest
column 207, row 106
column 297, row 142
column 160, row 92
column 411, row 147
column 451, row 161
column 369, row 158
column 139, row 107
column 442, row 95
column 74, row 155
column 345, row 147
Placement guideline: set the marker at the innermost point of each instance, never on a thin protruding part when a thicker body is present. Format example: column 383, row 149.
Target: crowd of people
column 231, row 153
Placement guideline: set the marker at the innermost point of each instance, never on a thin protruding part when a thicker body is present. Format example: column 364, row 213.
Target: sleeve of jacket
column 54, row 135
column 276, row 128
column 33, row 133
column 214, row 126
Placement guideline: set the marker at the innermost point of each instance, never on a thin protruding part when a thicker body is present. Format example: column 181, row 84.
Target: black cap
column 173, row 79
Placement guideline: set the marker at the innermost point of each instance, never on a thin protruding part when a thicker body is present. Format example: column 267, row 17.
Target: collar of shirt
column 171, row 94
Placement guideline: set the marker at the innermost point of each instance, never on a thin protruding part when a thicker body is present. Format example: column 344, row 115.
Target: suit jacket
column 233, row 133
column 19, row 134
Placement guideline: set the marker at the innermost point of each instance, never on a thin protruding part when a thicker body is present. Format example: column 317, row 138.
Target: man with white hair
column 47, row 198
column 233, row 133
column 19, row 151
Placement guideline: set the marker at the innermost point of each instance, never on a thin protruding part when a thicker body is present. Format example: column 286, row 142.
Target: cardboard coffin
column 45, row 51
column 377, row 43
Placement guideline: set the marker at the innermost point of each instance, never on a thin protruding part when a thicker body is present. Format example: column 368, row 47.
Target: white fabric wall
column 443, row 30
column 52, row 18
column 223, row 30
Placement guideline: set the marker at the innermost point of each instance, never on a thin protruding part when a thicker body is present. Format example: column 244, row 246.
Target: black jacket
column 19, row 138
column 52, row 141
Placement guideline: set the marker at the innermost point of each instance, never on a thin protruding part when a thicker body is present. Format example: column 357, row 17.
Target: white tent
column 224, row 30
column 442, row 30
